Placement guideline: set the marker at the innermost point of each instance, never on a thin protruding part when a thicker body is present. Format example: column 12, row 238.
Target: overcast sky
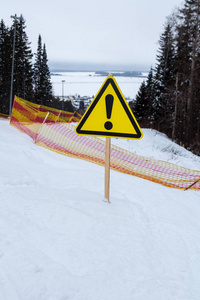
column 94, row 33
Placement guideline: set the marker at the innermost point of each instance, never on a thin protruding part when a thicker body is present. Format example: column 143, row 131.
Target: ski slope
column 60, row 240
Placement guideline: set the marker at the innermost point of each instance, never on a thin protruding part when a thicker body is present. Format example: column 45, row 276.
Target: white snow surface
column 60, row 240
column 88, row 84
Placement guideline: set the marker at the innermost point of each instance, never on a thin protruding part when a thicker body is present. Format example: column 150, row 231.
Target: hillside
column 60, row 240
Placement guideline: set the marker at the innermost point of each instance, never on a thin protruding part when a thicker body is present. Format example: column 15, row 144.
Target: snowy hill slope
column 59, row 240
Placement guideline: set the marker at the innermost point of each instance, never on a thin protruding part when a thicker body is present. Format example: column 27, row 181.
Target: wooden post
column 192, row 185
column 107, row 170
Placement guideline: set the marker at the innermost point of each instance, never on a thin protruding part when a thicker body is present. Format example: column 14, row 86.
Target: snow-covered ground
column 60, row 240
column 87, row 84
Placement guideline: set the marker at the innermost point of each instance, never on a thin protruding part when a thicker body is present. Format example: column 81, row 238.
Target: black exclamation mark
column 109, row 104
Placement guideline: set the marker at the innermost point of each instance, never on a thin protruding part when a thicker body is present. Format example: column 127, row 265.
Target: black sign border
column 138, row 134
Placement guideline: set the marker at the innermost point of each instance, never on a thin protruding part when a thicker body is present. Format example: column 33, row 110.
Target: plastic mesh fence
column 28, row 116
column 3, row 116
column 47, row 131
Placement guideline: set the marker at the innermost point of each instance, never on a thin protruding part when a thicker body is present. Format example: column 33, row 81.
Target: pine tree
column 138, row 105
column 68, row 106
column 150, row 96
column 188, row 72
column 38, row 72
column 42, row 78
column 46, row 79
column 142, row 107
column 23, row 70
column 163, row 103
column 174, row 105
column 24, row 75
column 5, row 68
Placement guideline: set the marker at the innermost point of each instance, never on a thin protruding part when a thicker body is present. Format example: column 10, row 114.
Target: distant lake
column 88, row 84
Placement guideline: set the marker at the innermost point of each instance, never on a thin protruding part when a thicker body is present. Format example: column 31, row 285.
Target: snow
column 87, row 84
column 156, row 145
column 60, row 240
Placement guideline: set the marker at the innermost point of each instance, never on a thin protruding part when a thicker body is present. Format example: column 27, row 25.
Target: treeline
column 120, row 74
column 31, row 77
column 169, row 100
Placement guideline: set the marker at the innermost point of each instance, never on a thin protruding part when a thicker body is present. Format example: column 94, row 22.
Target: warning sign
column 109, row 114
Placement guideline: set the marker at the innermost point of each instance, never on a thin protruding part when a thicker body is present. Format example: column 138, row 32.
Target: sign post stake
column 109, row 115
column 107, row 170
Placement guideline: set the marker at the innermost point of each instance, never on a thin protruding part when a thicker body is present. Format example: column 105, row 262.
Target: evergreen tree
column 68, row 106
column 172, row 96
column 149, row 99
column 143, row 104
column 24, row 76
column 82, row 105
column 138, row 105
column 38, row 72
column 5, row 68
column 23, row 70
column 163, row 103
column 188, row 73
column 42, row 78
column 46, row 79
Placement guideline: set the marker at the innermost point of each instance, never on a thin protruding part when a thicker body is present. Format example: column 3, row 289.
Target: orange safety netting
column 28, row 116
column 50, row 132
column 3, row 116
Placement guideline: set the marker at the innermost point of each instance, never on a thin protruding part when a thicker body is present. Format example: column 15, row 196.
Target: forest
column 31, row 80
column 169, row 100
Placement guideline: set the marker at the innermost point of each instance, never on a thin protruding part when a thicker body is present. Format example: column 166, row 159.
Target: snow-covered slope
column 59, row 240
column 156, row 145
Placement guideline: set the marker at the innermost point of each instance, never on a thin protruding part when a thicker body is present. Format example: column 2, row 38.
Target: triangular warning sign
column 109, row 114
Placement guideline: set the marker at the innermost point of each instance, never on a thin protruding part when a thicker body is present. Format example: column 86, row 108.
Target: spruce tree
column 42, row 78
column 163, row 103
column 175, row 105
column 23, row 70
column 188, row 72
column 149, row 98
column 5, row 68
column 68, row 106
column 138, row 105
column 46, row 79
column 143, row 105
column 38, row 72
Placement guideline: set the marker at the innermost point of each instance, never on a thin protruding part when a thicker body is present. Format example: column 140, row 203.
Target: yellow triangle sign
column 109, row 114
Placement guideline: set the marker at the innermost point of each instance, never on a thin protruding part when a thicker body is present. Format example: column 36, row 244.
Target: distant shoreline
column 56, row 72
